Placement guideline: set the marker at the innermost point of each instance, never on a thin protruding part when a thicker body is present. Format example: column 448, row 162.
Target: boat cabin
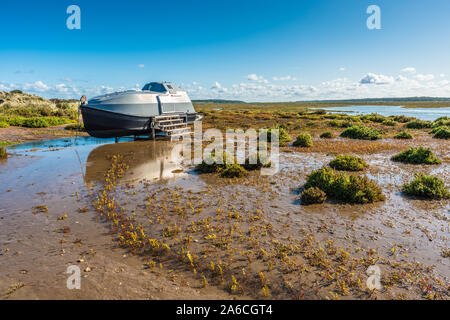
column 161, row 87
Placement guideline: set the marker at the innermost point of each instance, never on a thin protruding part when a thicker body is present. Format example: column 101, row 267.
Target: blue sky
column 251, row 50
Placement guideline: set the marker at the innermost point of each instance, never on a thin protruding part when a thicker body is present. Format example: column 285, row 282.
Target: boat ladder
column 172, row 126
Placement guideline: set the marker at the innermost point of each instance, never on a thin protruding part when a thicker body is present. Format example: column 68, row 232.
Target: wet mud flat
column 159, row 230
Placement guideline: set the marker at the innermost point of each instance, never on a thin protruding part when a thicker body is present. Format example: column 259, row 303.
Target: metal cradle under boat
column 160, row 106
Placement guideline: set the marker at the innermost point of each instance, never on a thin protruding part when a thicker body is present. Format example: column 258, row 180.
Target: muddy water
column 61, row 175
column 37, row 245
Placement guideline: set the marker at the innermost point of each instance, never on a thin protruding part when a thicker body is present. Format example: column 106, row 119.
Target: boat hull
column 105, row 124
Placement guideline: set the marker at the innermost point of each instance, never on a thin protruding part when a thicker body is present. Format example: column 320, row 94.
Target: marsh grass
column 303, row 140
column 403, row 135
column 3, row 153
column 241, row 250
column 418, row 124
column 343, row 187
column 233, row 171
column 429, row 187
column 420, row 155
column 75, row 127
column 441, row 132
column 361, row 132
column 390, row 122
column 348, row 163
column 327, row 135
column 313, row 195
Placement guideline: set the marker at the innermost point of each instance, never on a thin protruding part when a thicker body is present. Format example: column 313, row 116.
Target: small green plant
column 213, row 163
column 374, row 117
column 283, row 135
column 348, row 163
column 3, row 153
column 303, row 140
column 418, row 155
column 322, row 179
column 442, row 133
column 35, row 122
column 418, row 124
column 341, row 124
column 347, row 188
column 4, row 124
column 390, row 122
column 313, row 195
column 403, row 135
column 424, row 186
column 256, row 161
column 361, row 132
column 327, row 135
column 442, row 121
column 402, row 118
column 74, row 127
column 233, row 171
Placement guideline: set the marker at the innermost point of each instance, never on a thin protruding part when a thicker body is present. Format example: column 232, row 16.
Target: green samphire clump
column 429, row 187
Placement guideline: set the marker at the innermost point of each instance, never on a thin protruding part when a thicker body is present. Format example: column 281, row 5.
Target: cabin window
column 157, row 87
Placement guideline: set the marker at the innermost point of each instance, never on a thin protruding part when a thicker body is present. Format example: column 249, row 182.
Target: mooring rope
column 82, row 101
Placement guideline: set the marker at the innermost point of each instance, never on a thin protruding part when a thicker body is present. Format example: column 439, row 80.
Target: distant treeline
column 218, row 101
column 410, row 99
column 343, row 101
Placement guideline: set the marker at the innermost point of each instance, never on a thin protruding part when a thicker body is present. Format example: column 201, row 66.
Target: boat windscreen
column 155, row 87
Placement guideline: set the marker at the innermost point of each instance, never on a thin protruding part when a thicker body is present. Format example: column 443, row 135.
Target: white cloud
column 369, row 86
column 255, row 77
column 285, row 78
column 341, row 69
column 409, row 70
column 216, row 85
column 442, row 75
column 424, row 77
column 141, row 66
column 37, row 86
column 372, row 78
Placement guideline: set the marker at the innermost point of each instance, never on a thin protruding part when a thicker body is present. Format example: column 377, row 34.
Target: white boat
column 158, row 107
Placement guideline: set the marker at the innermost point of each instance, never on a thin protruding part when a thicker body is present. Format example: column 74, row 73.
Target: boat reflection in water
column 149, row 160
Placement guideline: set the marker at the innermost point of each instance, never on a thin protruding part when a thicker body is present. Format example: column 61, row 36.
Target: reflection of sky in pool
column 430, row 114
